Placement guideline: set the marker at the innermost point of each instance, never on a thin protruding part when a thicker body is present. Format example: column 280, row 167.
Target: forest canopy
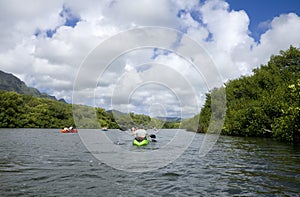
column 26, row 111
column 265, row 104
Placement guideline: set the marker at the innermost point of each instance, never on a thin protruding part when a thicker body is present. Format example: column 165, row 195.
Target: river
column 44, row 162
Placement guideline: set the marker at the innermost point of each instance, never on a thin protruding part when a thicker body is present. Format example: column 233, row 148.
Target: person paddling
column 140, row 134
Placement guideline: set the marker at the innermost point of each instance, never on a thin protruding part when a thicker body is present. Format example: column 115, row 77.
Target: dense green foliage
column 265, row 104
column 212, row 114
column 191, row 124
column 126, row 121
column 24, row 111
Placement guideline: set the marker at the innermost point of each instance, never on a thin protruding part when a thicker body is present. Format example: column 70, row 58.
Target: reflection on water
column 42, row 162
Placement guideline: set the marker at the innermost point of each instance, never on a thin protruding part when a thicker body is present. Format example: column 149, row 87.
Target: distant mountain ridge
column 164, row 118
column 169, row 119
column 9, row 82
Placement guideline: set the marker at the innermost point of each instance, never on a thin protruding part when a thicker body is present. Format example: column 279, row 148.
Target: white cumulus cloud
column 45, row 42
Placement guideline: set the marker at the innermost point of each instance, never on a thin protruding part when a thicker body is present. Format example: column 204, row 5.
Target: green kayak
column 140, row 143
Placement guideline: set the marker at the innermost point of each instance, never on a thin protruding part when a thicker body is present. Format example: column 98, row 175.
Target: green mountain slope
column 9, row 82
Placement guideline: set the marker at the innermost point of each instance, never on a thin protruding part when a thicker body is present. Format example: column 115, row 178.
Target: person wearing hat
column 140, row 134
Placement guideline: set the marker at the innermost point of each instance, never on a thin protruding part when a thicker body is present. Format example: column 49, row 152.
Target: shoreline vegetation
column 265, row 104
column 27, row 111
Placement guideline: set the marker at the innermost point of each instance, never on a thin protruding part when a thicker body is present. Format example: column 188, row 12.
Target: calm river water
column 44, row 162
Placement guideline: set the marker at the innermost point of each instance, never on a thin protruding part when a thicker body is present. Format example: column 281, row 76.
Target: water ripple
column 48, row 163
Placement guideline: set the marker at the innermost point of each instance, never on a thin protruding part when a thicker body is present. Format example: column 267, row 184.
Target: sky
column 261, row 12
column 64, row 48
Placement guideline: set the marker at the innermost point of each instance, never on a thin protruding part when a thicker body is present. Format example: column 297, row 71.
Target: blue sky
column 45, row 42
column 260, row 11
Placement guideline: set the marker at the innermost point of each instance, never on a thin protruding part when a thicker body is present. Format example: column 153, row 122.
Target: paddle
column 153, row 138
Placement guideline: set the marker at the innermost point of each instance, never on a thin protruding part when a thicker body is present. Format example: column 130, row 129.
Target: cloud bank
column 45, row 42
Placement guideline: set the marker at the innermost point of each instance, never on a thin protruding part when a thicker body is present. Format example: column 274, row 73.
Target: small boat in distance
column 104, row 129
column 69, row 130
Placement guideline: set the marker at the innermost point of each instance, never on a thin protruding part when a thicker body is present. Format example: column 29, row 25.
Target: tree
column 264, row 104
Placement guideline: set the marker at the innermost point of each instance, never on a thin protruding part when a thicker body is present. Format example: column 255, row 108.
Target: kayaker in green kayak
column 140, row 136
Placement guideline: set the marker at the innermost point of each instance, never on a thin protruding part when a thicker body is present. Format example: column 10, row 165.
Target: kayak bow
column 140, row 143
